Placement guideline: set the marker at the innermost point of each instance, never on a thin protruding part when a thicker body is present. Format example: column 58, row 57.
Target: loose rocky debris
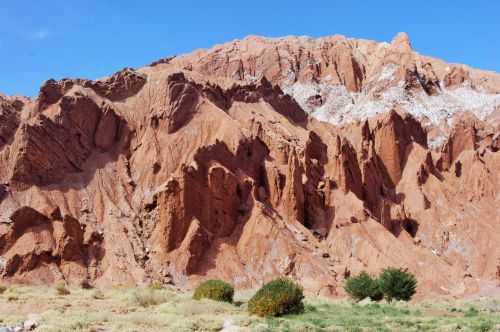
column 30, row 324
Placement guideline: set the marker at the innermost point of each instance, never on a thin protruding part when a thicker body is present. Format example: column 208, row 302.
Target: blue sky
column 93, row 38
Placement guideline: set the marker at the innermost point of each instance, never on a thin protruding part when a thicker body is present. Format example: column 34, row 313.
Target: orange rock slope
column 222, row 163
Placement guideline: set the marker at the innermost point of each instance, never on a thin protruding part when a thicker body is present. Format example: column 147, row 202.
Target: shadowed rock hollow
column 214, row 164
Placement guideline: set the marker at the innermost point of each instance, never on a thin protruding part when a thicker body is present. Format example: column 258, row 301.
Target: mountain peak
column 402, row 41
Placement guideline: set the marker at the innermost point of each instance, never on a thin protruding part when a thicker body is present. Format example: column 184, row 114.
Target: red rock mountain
column 309, row 158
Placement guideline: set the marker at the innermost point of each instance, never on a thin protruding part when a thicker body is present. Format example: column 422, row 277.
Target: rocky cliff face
column 214, row 164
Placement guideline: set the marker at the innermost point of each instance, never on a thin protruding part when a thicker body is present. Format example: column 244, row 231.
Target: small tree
column 216, row 290
column 397, row 284
column 276, row 298
column 362, row 286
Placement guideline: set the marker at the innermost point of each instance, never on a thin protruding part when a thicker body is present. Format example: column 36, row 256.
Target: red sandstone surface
column 201, row 166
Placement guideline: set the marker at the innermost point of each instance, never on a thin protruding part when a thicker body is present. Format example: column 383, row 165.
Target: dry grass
column 148, row 310
column 149, row 297
column 156, row 285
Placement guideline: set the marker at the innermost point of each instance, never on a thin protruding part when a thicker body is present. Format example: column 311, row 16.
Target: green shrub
column 471, row 312
column 362, row 286
column 2, row 289
column 278, row 297
column 397, row 284
column 483, row 326
column 216, row 290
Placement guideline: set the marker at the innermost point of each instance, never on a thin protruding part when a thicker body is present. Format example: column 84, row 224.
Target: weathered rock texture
column 201, row 166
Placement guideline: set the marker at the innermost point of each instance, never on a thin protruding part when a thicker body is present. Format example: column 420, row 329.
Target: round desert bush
column 278, row 297
column 397, row 284
column 217, row 290
column 362, row 286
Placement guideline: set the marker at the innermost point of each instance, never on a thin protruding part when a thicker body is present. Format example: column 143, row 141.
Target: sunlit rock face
column 310, row 158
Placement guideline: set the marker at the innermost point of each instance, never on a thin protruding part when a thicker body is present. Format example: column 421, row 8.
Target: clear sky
column 94, row 38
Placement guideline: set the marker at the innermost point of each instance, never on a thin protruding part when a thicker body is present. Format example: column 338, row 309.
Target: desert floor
column 142, row 310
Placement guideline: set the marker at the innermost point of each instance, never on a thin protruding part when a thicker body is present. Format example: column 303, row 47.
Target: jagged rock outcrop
column 463, row 137
column 214, row 164
column 53, row 246
column 455, row 77
column 9, row 121
column 119, row 86
column 337, row 79
column 51, row 145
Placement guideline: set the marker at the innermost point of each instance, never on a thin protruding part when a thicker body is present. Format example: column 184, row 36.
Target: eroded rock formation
column 202, row 166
